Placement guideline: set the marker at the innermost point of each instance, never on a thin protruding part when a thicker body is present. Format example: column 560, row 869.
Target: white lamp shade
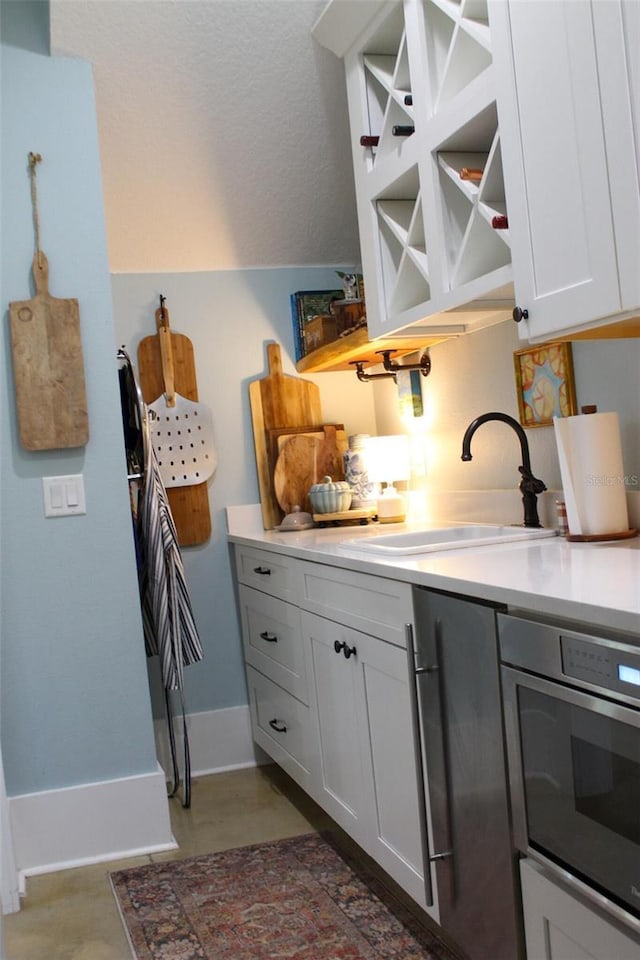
column 388, row 458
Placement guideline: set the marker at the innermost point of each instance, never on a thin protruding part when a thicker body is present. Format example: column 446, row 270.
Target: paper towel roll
column 592, row 471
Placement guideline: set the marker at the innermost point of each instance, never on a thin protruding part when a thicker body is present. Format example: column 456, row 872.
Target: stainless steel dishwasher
column 458, row 726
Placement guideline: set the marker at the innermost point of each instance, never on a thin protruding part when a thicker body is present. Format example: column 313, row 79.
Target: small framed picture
column 544, row 384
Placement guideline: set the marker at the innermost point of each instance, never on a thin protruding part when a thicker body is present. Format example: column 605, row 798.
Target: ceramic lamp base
column 392, row 507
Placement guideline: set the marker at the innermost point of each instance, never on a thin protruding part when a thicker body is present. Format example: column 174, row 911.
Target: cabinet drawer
column 269, row 572
column 273, row 640
column 371, row 604
column 282, row 726
column 560, row 925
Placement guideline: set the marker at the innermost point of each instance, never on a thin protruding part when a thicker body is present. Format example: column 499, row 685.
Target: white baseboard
column 219, row 740
column 90, row 823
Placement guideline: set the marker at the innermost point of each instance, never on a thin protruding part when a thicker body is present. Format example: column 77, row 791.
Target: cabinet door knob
column 277, row 726
column 263, row 571
column 340, row 645
column 269, row 637
column 520, row 313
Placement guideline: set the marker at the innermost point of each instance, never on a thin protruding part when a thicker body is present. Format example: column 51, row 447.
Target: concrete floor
column 72, row 914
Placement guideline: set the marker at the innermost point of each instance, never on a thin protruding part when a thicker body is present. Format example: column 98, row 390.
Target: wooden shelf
column 339, row 354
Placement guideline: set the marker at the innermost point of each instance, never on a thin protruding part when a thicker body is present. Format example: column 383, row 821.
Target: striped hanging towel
column 169, row 626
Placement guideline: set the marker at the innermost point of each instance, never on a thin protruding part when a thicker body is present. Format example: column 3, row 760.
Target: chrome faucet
column 530, row 486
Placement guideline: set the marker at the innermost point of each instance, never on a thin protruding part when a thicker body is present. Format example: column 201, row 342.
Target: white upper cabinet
column 568, row 108
column 427, row 161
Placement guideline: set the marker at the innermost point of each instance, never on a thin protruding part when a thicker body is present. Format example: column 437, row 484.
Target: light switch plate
column 64, row 496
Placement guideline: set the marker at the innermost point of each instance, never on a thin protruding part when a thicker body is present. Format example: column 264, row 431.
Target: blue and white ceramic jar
column 355, row 472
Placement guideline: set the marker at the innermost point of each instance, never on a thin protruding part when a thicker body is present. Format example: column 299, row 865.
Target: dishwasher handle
column 420, row 772
column 432, row 725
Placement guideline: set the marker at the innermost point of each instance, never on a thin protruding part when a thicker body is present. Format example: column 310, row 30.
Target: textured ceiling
column 223, row 132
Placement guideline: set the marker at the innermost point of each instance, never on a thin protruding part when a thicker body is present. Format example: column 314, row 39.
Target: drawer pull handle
column 263, row 571
column 275, row 725
column 341, row 645
column 269, row 637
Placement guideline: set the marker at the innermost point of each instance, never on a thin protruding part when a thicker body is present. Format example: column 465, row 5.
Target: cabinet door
column 617, row 30
column 558, row 926
column 340, row 785
column 367, row 776
column 555, row 164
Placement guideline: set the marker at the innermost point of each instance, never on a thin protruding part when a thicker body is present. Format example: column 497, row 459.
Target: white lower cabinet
column 558, row 926
column 329, row 695
column 367, row 771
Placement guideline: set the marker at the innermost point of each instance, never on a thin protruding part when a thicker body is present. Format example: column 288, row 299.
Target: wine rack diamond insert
column 470, row 205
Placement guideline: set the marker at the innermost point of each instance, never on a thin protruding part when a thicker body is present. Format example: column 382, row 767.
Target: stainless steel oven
column 572, row 718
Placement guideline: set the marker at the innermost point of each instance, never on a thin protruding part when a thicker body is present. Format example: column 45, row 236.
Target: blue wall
column 75, row 699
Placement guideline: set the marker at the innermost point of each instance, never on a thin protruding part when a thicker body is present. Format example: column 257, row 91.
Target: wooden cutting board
column 278, row 400
column 278, row 436
column 48, row 367
column 303, row 461
column 189, row 505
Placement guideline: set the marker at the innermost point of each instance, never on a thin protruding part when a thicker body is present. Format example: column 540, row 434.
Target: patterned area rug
column 299, row 899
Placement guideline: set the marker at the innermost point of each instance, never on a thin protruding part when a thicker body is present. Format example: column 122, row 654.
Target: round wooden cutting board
column 303, row 461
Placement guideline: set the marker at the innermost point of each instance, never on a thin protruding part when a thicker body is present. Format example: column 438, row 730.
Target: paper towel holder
column 586, row 409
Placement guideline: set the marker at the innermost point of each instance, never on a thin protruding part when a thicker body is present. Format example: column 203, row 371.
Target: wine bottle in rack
column 408, row 100
column 403, row 130
column 471, row 173
column 500, row 222
column 369, row 141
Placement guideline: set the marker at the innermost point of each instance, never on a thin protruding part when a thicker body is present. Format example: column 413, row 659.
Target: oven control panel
column 601, row 664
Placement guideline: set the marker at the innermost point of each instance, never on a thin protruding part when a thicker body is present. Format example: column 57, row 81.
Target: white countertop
column 594, row 583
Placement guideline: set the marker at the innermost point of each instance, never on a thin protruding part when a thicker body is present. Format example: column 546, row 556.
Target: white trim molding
column 219, row 740
column 90, row 823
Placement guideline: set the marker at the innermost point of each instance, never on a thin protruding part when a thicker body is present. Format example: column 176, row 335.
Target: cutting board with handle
column 189, row 504
column 304, row 460
column 278, row 436
column 48, row 367
column 278, row 400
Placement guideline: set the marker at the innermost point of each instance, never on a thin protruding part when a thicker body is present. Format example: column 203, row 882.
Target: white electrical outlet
column 64, row 496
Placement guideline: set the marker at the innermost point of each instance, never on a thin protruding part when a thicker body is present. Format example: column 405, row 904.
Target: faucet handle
column 531, row 484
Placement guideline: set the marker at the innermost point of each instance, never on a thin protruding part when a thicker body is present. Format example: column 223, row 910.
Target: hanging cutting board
column 303, row 461
column 189, row 505
column 48, row 367
column 278, row 400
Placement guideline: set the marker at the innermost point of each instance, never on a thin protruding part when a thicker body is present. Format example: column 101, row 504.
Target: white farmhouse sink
column 453, row 537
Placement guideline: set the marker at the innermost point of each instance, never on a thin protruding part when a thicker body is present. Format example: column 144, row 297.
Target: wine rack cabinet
column 434, row 242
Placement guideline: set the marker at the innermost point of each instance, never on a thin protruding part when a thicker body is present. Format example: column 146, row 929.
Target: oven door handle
column 514, row 758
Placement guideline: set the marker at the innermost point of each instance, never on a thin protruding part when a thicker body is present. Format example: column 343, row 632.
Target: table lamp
column 388, row 461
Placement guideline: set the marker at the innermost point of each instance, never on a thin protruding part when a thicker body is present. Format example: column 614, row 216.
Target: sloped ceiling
column 223, row 132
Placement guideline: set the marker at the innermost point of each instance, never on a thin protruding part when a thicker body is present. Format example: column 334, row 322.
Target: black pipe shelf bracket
column 391, row 368
column 364, row 377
